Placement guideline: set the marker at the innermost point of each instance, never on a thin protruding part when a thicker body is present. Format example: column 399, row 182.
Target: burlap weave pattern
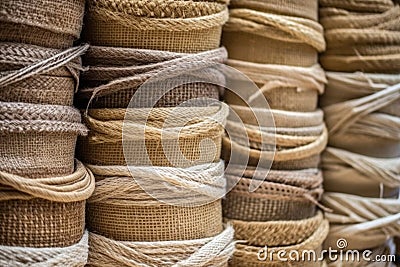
column 54, row 24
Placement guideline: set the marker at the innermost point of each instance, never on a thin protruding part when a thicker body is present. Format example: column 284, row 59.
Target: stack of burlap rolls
column 42, row 188
column 362, row 163
column 276, row 44
column 156, row 160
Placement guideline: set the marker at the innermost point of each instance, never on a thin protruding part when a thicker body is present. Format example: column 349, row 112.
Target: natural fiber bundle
column 212, row 251
column 361, row 42
column 368, row 6
column 54, row 24
column 363, row 222
column 114, row 75
column 179, row 137
column 355, row 174
column 38, row 140
column 173, row 25
column 39, row 75
column 308, row 9
column 355, row 122
column 284, row 87
column 285, row 35
column 283, row 195
column 44, row 212
column 276, row 233
column 131, row 214
column 245, row 255
column 72, row 256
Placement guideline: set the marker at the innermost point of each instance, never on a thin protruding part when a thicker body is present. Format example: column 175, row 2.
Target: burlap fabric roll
column 283, row 195
column 291, row 40
column 174, row 25
column 284, row 87
column 34, row 74
column 359, row 41
column 114, row 75
column 180, row 137
column 54, row 24
column 355, row 174
column 245, row 255
column 363, row 222
column 120, row 209
column 298, row 142
column 367, row 6
column 212, row 251
column 371, row 118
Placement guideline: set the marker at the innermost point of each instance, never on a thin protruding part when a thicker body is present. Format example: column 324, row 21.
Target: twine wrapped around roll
column 363, row 222
column 246, row 255
column 54, row 24
column 44, row 212
column 120, row 208
column 75, row 255
column 38, row 140
column 355, row 122
column 39, row 75
column 283, row 195
column 177, row 26
column 285, row 35
column 179, row 137
column 115, row 74
column 284, row 87
column 276, row 233
column 212, row 251
column 351, row 173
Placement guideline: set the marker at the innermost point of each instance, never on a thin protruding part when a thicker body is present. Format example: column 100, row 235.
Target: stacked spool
column 276, row 45
column 134, row 148
column 43, row 190
column 362, row 165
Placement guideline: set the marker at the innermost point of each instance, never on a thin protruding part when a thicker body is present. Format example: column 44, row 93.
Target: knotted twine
column 371, row 177
column 213, row 251
column 72, row 256
column 363, row 222
column 280, row 84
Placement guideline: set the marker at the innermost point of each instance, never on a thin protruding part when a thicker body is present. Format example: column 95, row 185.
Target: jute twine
column 363, row 222
column 54, row 24
column 370, row 177
column 212, row 251
column 120, row 209
column 38, row 140
column 360, row 42
column 283, row 195
column 276, row 233
column 355, row 122
column 44, row 212
column 115, row 74
column 246, row 255
column 177, row 26
column 179, row 137
column 285, row 35
column 285, row 87
column 39, row 75
column 72, row 256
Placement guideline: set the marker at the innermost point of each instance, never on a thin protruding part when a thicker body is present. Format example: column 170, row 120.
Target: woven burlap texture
column 54, row 24
column 75, row 255
column 370, row 177
column 355, row 122
column 284, row 87
column 177, row 26
column 115, row 74
column 283, row 195
column 212, row 251
column 276, row 233
column 179, row 137
column 368, row 6
column 245, row 255
column 363, row 222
